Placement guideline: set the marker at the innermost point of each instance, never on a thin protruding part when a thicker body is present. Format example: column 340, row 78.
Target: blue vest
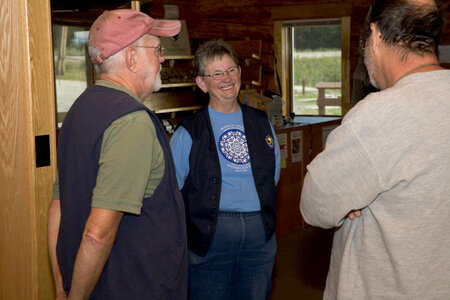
column 201, row 189
column 149, row 256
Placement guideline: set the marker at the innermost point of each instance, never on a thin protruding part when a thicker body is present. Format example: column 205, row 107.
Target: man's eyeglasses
column 159, row 50
column 218, row 75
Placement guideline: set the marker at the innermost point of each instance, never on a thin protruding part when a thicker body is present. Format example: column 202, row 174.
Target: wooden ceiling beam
column 86, row 18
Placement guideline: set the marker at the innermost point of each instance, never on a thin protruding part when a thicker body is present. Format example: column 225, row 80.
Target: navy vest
column 149, row 257
column 201, row 190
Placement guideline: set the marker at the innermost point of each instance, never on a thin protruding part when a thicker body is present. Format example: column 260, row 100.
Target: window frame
column 282, row 52
column 290, row 26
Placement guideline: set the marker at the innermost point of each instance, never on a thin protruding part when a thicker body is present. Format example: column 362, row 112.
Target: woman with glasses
column 227, row 162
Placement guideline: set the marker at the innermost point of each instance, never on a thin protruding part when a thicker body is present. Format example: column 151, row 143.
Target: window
column 314, row 48
column 72, row 72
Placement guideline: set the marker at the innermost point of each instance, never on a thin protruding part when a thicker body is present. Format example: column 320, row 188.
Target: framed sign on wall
column 178, row 45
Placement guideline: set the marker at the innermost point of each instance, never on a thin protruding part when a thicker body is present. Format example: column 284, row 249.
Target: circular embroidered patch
column 233, row 146
column 269, row 141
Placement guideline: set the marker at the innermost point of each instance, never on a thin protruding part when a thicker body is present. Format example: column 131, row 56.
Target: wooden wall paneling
column 249, row 14
column 319, row 11
column 26, row 110
column 249, row 54
column 246, row 48
column 445, row 38
column 268, row 81
column 238, row 19
column 445, row 6
column 229, row 31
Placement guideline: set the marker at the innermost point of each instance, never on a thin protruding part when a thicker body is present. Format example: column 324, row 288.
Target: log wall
column 240, row 19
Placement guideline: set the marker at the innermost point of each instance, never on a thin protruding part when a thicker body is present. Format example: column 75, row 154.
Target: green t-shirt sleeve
column 55, row 189
column 125, row 163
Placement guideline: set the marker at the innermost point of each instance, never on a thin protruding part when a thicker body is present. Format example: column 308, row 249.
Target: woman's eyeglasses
column 218, row 75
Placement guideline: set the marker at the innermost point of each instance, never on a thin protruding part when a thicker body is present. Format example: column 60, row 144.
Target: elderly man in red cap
column 116, row 226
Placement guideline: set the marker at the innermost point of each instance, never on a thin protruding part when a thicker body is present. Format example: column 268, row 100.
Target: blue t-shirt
column 238, row 192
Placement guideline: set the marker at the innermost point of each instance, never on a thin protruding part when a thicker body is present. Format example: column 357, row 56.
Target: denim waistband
column 239, row 213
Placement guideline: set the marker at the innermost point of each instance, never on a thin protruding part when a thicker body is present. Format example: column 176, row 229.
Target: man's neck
column 420, row 68
column 396, row 68
column 120, row 80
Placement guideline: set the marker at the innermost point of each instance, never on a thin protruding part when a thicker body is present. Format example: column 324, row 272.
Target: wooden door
column 27, row 148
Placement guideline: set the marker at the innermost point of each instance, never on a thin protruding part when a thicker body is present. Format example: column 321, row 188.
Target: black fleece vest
column 201, row 190
column 149, row 257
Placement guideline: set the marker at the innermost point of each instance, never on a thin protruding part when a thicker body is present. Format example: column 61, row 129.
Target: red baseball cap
column 116, row 29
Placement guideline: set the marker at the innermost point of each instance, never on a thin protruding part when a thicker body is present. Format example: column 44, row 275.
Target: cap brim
column 165, row 28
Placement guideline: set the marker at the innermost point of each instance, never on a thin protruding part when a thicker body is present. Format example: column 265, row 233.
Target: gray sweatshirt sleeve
column 340, row 179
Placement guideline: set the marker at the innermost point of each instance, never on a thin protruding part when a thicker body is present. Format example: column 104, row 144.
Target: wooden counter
column 299, row 143
column 295, row 141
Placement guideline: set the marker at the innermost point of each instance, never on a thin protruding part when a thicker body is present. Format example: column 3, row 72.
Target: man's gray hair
column 411, row 26
column 113, row 62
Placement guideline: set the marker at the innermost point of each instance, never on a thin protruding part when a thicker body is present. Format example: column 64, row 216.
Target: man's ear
column 201, row 84
column 131, row 59
column 376, row 33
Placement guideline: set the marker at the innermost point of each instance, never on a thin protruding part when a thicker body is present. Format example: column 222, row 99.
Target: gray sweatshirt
column 390, row 158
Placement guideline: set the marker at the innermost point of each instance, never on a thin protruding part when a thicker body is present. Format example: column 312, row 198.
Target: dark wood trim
column 311, row 11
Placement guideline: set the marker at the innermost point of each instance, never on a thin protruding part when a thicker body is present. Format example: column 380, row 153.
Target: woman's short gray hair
column 211, row 50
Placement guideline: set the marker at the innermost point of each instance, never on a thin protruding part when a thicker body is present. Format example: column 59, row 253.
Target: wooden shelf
column 249, row 54
column 170, row 57
column 178, row 109
column 176, row 101
column 181, row 84
column 178, row 71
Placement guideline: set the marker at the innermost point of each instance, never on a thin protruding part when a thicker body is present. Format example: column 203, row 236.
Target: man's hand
column 54, row 219
column 354, row 214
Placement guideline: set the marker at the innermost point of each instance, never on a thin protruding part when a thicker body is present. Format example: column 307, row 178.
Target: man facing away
column 116, row 225
column 384, row 177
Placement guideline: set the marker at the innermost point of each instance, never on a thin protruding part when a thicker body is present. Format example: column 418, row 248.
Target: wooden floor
column 301, row 265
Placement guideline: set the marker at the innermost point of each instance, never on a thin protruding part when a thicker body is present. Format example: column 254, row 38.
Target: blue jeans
column 239, row 262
